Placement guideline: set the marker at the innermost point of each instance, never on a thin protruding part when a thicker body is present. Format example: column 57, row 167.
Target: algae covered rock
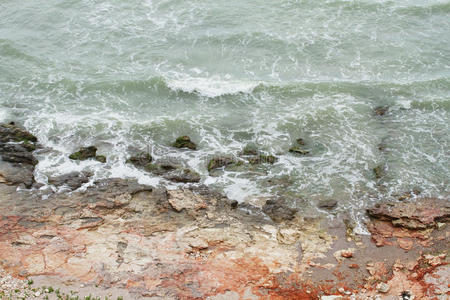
column 12, row 133
column 86, row 153
column 140, row 160
column 219, row 162
column 184, row 142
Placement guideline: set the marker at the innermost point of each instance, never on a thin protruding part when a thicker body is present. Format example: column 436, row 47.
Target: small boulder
column 219, row 162
column 184, row 142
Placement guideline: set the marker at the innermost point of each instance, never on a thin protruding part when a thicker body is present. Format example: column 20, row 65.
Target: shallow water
column 121, row 74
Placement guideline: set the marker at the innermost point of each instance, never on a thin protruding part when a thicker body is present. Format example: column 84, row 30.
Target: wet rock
column 420, row 214
column 182, row 175
column 12, row 133
column 17, row 153
column 84, row 153
column 15, row 174
column 100, row 158
column 73, row 180
column 161, row 168
column 172, row 172
column 140, row 160
column 184, row 142
column 219, row 162
column 301, row 142
column 381, row 110
column 17, row 159
column 327, row 204
column 262, row 159
column 278, row 211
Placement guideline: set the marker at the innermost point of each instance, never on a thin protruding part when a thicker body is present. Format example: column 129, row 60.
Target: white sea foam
column 213, row 86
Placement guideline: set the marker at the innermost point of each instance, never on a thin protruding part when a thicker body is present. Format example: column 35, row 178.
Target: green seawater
column 134, row 75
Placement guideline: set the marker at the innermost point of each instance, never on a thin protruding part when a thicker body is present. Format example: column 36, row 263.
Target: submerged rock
column 298, row 148
column 262, row 159
column 381, row 110
column 86, row 153
column 250, row 149
column 378, row 171
column 184, row 142
column 301, row 141
column 327, row 204
column 140, row 160
column 279, row 211
column 219, row 162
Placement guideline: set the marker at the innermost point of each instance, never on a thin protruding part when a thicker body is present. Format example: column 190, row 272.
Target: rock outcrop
column 16, row 155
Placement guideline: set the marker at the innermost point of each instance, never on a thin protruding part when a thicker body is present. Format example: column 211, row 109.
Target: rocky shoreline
column 136, row 241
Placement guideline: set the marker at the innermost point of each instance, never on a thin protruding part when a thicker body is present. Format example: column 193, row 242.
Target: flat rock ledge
column 140, row 242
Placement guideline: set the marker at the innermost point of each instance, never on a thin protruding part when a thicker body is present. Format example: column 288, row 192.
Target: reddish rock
column 405, row 243
column 420, row 214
